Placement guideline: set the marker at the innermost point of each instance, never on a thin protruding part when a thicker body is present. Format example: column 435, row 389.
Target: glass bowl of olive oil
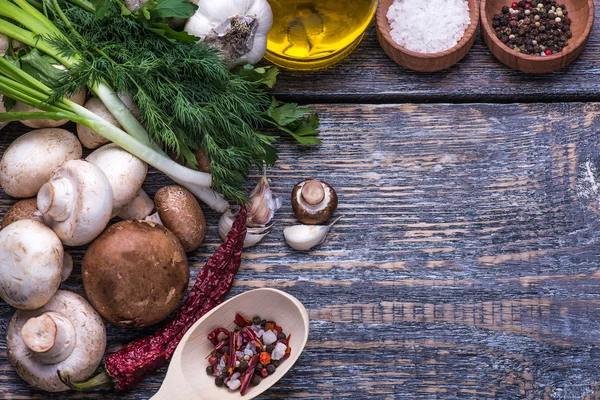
column 313, row 34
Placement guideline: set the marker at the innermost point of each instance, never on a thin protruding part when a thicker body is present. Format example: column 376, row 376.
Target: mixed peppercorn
column 539, row 28
column 250, row 353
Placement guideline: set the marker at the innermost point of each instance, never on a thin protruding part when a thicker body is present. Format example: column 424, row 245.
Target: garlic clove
column 253, row 235
column 263, row 204
column 305, row 237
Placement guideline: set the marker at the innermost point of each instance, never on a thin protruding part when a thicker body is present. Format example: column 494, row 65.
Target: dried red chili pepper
column 249, row 374
column 126, row 368
column 213, row 337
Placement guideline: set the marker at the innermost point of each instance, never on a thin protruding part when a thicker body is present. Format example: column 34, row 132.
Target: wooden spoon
column 187, row 378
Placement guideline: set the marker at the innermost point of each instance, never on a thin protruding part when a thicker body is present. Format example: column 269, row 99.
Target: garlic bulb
column 253, row 235
column 305, row 237
column 238, row 28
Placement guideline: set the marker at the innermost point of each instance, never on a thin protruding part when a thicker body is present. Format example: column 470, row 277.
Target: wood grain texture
column 369, row 76
column 467, row 264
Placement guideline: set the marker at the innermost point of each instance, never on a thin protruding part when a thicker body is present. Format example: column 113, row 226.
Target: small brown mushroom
column 314, row 202
column 24, row 209
column 179, row 212
column 135, row 274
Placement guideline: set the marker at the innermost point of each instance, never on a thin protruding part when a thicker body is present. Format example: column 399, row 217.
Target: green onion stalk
column 21, row 86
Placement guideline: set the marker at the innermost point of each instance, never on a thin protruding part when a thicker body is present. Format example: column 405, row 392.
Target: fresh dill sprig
column 188, row 98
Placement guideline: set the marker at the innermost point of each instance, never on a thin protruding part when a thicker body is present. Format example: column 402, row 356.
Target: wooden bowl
column 581, row 13
column 425, row 62
column 187, row 377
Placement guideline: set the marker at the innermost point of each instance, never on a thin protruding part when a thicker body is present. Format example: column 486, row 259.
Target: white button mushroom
column 125, row 172
column 76, row 202
column 65, row 335
column 78, row 98
column 29, row 161
column 31, row 263
column 88, row 137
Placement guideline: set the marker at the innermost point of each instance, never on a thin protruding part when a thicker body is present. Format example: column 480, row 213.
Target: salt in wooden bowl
column 425, row 62
column 581, row 13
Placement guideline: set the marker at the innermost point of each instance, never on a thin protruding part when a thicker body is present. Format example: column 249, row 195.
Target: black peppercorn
column 210, row 370
column 505, row 10
column 220, row 382
column 263, row 323
column 269, row 349
column 281, row 336
column 271, row 369
column 225, row 349
column 256, row 380
column 276, row 363
column 259, row 366
column 256, row 320
column 243, row 366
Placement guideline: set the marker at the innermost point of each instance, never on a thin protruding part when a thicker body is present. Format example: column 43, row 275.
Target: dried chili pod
column 249, row 374
column 126, row 368
column 213, row 337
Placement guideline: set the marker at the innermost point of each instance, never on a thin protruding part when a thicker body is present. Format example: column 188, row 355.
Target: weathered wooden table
column 468, row 261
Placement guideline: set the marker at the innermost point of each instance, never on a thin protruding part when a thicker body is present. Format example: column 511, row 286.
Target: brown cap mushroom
column 135, row 274
column 180, row 213
column 313, row 201
column 24, row 209
column 65, row 335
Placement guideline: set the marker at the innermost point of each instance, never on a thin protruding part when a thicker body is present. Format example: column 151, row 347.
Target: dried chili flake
column 265, row 358
column 242, row 321
column 126, row 368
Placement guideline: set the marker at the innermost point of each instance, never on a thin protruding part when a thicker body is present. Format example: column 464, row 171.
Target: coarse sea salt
column 428, row 26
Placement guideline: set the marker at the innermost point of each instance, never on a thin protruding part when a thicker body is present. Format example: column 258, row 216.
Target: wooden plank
column 466, row 265
column 369, row 76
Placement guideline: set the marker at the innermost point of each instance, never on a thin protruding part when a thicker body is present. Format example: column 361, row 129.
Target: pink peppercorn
column 548, row 52
column 264, row 373
column 514, row 5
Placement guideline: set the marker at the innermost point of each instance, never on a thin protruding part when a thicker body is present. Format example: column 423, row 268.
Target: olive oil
column 312, row 34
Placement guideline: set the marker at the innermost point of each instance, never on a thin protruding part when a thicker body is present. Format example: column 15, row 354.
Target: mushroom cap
column 180, row 213
column 313, row 201
column 125, row 172
column 82, row 362
column 88, row 137
column 135, row 274
column 78, row 98
column 29, row 161
column 23, row 209
column 31, row 262
column 88, row 202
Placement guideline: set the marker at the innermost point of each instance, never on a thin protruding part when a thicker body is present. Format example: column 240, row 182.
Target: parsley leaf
column 173, row 9
column 293, row 120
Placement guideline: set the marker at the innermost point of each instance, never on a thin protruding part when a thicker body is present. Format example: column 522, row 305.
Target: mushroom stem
column 313, row 192
column 101, row 380
column 55, row 199
column 139, row 208
column 154, row 218
column 51, row 337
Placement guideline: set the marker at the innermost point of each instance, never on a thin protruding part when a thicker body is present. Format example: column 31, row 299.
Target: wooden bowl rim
column 382, row 23
column 539, row 59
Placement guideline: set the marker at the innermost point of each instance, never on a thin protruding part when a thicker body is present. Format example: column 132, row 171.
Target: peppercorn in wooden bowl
column 578, row 18
column 425, row 62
